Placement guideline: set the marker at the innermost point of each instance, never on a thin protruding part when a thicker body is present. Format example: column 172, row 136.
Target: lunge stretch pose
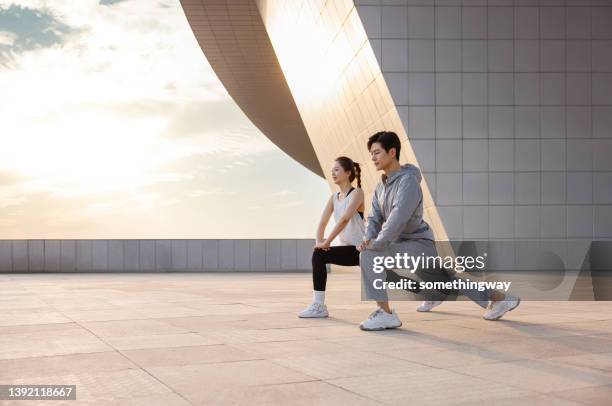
column 347, row 207
column 396, row 226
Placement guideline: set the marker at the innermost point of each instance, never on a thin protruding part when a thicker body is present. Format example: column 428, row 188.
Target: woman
column 347, row 206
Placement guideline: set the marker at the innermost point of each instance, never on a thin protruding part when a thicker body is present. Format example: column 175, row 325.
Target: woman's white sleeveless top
column 354, row 231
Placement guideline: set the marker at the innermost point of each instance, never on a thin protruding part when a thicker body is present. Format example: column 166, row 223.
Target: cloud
column 43, row 215
column 118, row 128
column 110, row 2
column 283, row 193
column 7, row 38
column 118, row 101
column 10, row 178
column 25, row 28
column 206, row 117
column 287, row 205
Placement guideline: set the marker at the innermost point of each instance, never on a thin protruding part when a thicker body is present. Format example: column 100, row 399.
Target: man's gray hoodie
column 397, row 209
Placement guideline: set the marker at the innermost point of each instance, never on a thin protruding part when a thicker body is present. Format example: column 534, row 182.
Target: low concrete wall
column 155, row 255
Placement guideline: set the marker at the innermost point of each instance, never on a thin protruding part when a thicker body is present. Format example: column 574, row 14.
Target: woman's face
column 339, row 175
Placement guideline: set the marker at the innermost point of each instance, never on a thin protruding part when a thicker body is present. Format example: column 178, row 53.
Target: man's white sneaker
column 427, row 305
column 501, row 307
column 380, row 320
column 314, row 310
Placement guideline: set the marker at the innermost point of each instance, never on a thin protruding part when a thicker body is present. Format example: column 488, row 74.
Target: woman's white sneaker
column 427, row 305
column 314, row 310
column 380, row 320
column 501, row 307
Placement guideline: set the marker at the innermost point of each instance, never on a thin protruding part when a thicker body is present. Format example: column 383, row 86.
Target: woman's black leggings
column 346, row 255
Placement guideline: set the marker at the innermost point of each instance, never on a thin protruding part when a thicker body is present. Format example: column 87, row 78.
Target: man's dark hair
column 388, row 140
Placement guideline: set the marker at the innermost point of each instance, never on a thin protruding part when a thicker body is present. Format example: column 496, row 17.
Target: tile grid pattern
column 155, row 255
column 507, row 105
column 505, row 117
column 182, row 339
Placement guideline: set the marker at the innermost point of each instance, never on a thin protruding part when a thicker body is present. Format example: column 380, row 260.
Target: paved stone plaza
column 215, row 339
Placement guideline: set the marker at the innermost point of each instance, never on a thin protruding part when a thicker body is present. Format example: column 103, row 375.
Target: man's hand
column 363, row 246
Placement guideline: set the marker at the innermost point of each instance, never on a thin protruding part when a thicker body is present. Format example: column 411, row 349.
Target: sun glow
column 120, row 129
column 84, row 154
column 71, row 123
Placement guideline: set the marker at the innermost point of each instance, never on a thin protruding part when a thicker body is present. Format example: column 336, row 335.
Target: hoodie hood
column 405, row 170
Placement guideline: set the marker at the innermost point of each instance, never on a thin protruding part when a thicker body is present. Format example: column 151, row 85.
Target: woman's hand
column 322, row 245
column 363, row 246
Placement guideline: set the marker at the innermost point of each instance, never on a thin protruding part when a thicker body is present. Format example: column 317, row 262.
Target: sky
column 115, row 126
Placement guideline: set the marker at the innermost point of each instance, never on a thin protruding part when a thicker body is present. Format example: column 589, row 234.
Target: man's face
column 380, row 157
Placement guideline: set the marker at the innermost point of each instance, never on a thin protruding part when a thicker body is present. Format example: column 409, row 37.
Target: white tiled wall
column 508, row 105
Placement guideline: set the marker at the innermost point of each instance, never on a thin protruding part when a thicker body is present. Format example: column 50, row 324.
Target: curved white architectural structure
column 504, row 104
column 307, row 76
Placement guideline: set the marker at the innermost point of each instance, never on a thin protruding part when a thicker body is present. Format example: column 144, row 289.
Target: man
column 396, row 226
